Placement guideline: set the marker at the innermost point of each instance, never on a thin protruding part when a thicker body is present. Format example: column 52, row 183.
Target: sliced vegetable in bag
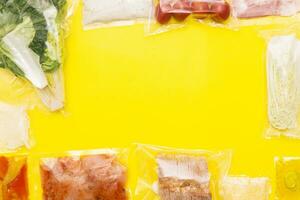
column 288, row 178
column 283, row 86
column 13, row 178
column 245, row 188
column 84, row 176
column 31, row 45
column 168, row 174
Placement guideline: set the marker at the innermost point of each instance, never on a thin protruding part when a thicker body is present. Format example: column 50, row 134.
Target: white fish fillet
column 109, row 11
column 244, row 188
column 14, row 127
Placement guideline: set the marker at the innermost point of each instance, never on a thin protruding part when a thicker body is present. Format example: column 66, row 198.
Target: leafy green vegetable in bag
column 30, row 41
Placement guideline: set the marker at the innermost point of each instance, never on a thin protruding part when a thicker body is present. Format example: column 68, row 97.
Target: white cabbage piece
column 14, row 127
column 16, row 48
column 283, row 81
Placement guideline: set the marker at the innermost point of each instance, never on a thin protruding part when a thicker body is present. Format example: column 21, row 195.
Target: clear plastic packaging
column 171, row 14
column 287, row 178
column 283, row 64
column 98, row 174
column 169, row 173
column 14, row 127
column 245, row 188
column 104, row 13
column 233, row 14
column 31, row 48
column 13, row 178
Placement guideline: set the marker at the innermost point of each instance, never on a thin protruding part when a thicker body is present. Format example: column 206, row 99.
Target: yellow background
column 196, row 87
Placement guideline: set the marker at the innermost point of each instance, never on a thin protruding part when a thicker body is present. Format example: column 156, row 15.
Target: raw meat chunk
column 260, row 8
column 91, row 177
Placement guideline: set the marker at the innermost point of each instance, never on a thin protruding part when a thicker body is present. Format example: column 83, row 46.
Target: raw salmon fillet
column 95, row 177
column 183, row 178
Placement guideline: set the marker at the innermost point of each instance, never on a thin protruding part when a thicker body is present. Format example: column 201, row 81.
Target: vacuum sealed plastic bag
column 84, row 175
column 99, row 13
column 31, row 45
column 288, row 178
column 266, row 12
column 283, row 64
column 233, row 14
column 14, row 127
column 245, row 188
column 172, row 14
column 171, row 174
column 13, row 178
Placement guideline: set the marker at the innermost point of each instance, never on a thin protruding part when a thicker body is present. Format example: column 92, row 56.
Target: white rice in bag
column 14, row 127
column 101, row 13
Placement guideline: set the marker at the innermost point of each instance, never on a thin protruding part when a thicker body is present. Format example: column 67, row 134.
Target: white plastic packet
column 283, row 67
column 14, row 127
column 245, row 188
column 102, row 13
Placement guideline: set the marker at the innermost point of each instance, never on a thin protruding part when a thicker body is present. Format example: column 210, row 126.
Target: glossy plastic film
column 32, row 51
column 170, row 173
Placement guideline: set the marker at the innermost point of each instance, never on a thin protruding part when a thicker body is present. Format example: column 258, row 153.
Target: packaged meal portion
column 177, row 174
column 288, row 178
column 31, row 45
column 245, row 188
column 283, row 66
column 13, row 178
column 84, row 177
column 99, row 13
column 169, row 14
column 14, row 127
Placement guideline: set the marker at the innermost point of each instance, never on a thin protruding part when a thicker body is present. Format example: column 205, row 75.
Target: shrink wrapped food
column 14, row 127
column 178, row 174
column 245, row 188
column 31, row 45
column 288, row 178
column 13, row 178
column 85, row 177
column 283, row 85
column 99, row 13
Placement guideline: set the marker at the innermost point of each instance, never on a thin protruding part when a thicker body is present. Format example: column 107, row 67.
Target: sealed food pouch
column 14, row 127
column 85, row 175
column 264, row 12
column 13, row 178
column 287, row 178
column 171, row 14
column 283, row 64
column 177, row 174
column 233, row 14
column 104, row 13
column 245, row 188
column 32, row 37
